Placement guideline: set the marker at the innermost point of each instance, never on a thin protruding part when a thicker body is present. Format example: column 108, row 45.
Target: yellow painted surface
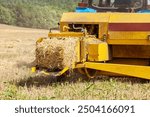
column 128, row 35
column 129, row 18
column 129, row 70
column 98, row 52
column 96, row 18
column 103, row 20
column 103, row 29
column 128, row 42
column 86, row 18
column 78, row 53
column 33, row 69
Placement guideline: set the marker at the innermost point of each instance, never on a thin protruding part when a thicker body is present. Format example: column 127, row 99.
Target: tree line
column 34, row 13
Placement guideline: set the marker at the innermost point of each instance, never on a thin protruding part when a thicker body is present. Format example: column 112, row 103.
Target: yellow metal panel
column 129, row 35
column 93, row 52
column 103, row 52
column 98, row 52
column 128, row 42
column 78, row 52
column 83, row 51
column 129, row 38
column 129, row 18
column 93, row 18
column 130, row 70
column 62, row 24
column 103, row 29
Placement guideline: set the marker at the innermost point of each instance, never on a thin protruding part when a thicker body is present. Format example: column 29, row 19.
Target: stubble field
column 17, row 55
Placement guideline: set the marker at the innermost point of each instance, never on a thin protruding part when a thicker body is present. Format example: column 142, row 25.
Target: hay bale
column 56, row 53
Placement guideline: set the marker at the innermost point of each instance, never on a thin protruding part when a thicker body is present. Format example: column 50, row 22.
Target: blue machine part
column 144, row 11
column 85, row 10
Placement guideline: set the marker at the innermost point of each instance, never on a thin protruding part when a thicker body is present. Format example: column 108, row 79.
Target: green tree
column 6, row 16
column 34, row 13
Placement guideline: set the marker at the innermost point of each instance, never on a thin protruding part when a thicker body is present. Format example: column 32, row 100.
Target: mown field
column 17, row 53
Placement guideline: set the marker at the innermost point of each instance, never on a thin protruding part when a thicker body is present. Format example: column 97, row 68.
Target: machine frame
column 124, row 48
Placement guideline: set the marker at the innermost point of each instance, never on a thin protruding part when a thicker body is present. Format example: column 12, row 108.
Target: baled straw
column 56, row 53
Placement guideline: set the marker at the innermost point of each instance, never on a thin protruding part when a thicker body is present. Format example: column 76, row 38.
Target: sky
column 148, row 2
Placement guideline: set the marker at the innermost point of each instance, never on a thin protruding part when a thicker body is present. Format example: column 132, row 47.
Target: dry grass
column 17, row 52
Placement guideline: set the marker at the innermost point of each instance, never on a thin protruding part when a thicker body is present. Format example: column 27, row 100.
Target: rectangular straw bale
column 56, row 53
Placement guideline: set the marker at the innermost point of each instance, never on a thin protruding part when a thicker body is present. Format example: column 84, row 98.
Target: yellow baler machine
column 124, row 47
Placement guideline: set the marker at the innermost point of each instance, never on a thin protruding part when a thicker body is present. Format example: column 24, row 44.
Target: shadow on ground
column 42, row 81
column 37, row 81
